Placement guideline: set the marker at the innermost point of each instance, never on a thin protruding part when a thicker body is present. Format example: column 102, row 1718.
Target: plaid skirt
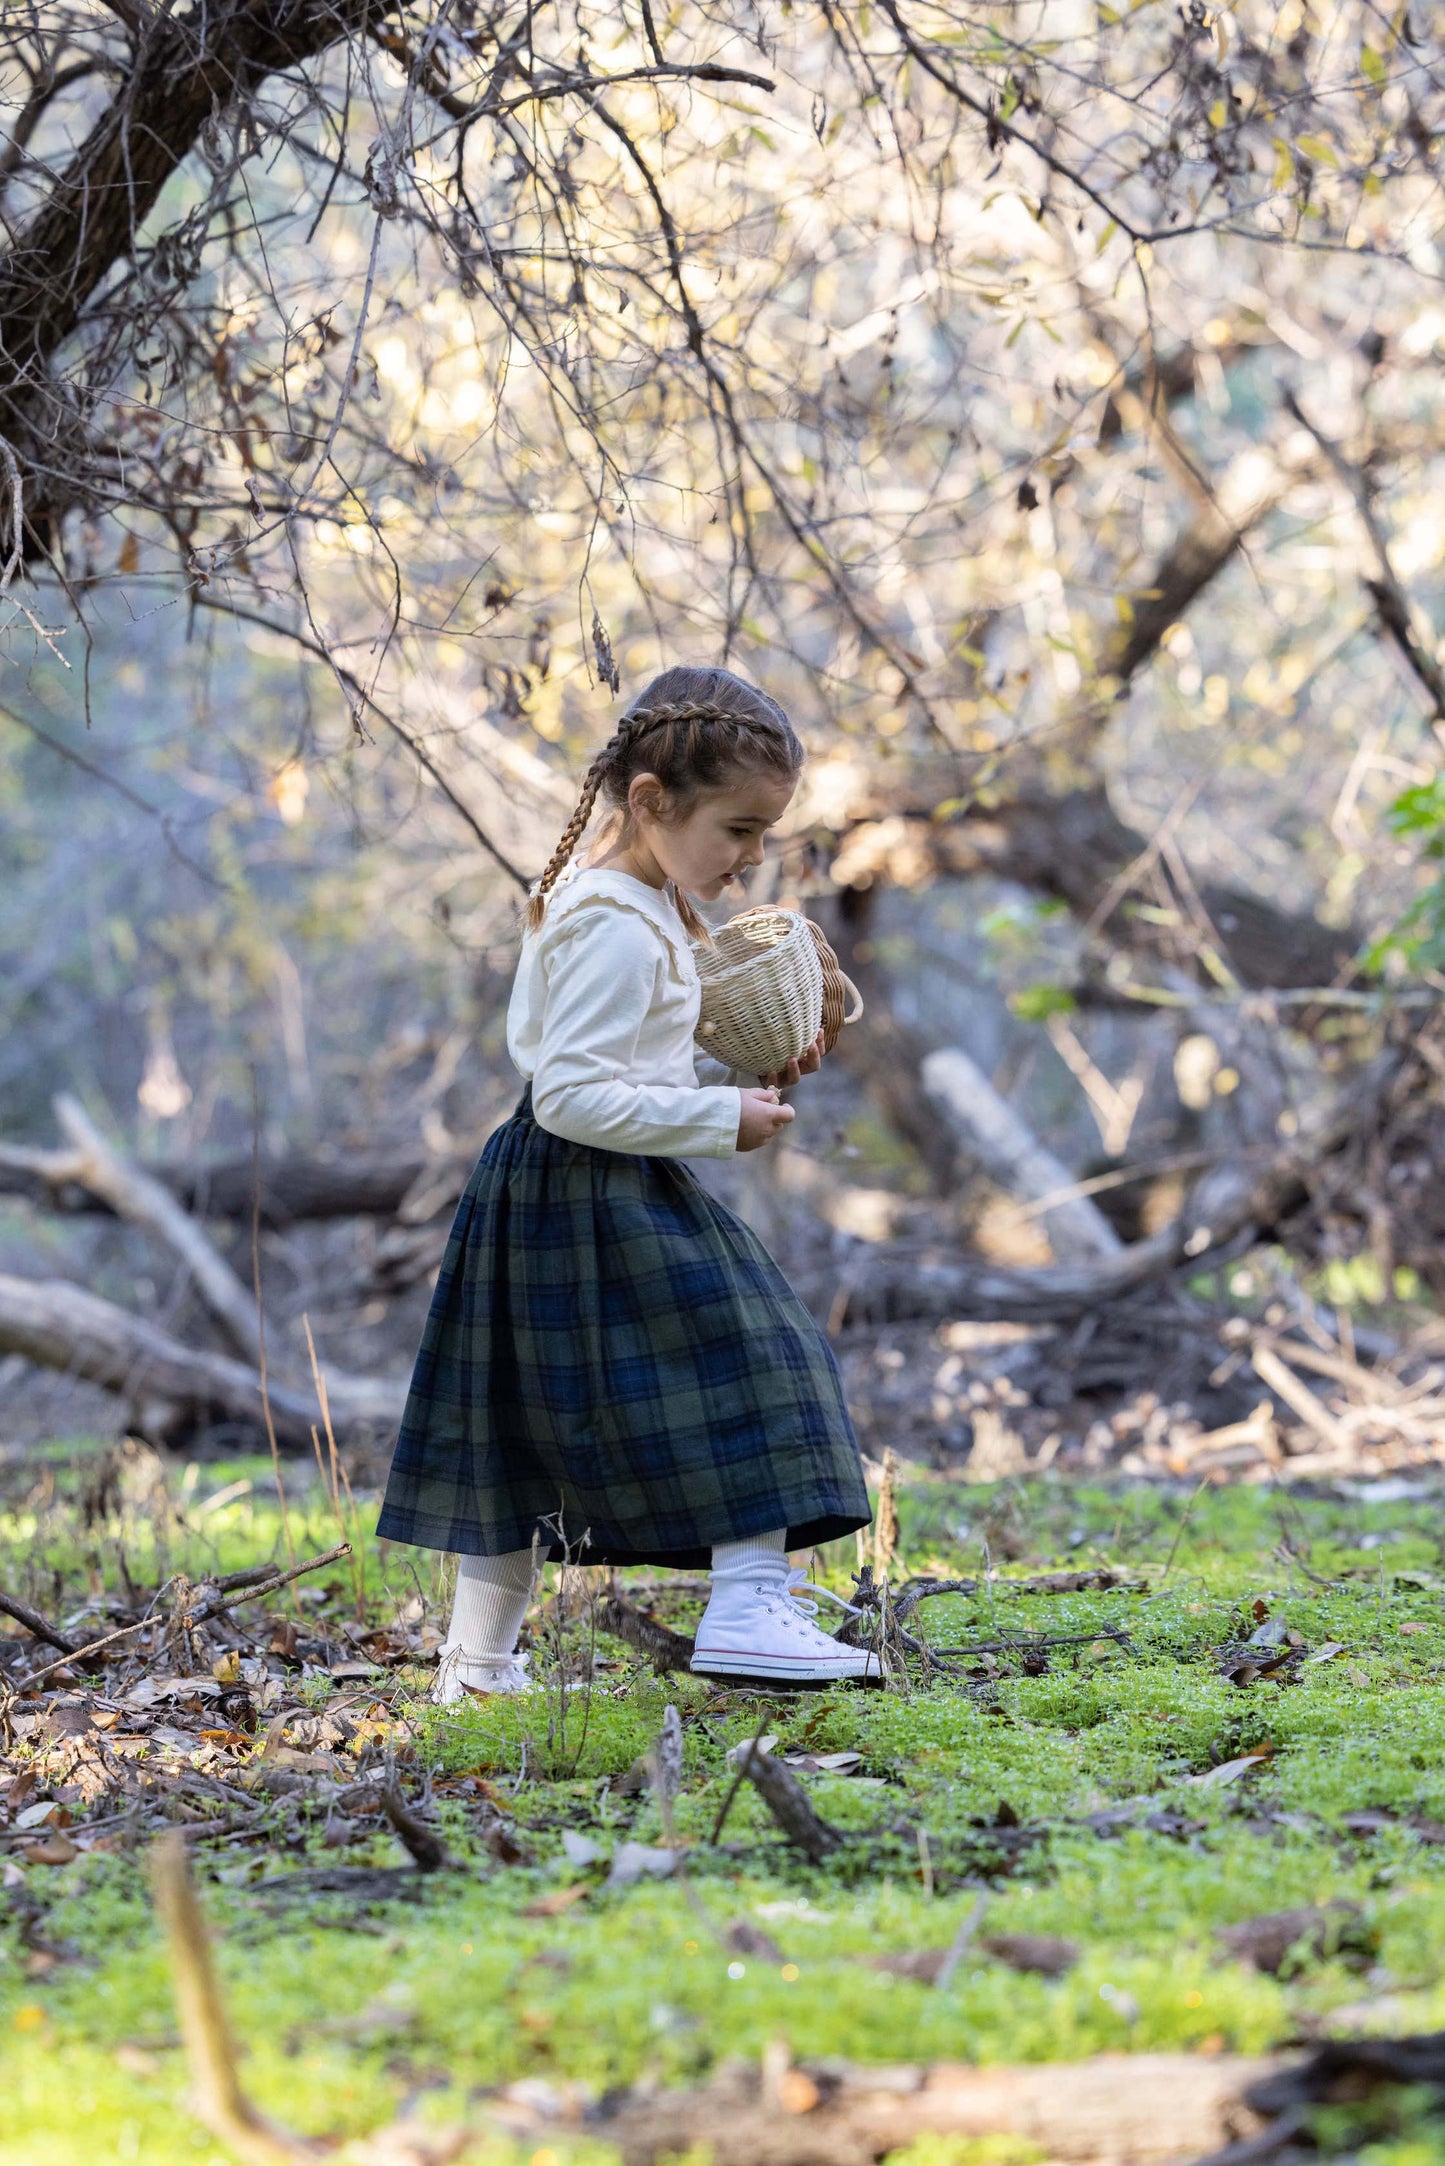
column 614, row 1363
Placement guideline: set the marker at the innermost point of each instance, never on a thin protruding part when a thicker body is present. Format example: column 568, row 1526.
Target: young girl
column 614, row 1368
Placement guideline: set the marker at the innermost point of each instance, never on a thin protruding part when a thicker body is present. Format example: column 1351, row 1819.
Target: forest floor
column 1251, row 1723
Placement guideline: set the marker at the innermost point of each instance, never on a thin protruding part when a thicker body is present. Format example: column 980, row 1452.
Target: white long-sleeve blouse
column 601, row 1023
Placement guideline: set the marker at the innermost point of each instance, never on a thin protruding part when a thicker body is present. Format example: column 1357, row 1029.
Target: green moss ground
column 461, row 1990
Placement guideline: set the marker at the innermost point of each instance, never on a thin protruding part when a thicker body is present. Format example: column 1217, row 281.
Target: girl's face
column 715, row 842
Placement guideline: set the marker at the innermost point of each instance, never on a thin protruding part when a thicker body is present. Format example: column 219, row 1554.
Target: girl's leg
column 480, row 1650
column 759, row 1621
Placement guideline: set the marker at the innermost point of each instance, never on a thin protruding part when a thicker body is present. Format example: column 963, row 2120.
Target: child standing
column 611, row 1358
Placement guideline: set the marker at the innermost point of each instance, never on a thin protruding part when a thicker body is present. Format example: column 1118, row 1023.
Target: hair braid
column 717, row 724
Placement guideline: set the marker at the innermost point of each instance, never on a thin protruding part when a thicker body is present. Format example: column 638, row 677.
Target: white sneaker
column 760, row 1626
column 460, row 1676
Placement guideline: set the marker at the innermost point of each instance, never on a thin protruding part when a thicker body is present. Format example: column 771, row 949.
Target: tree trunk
column 185, row 68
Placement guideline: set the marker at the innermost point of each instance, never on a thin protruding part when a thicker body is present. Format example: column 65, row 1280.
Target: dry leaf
column 45, row 1814
column 797, row 2093
column 54, row 1849
column 553, row 1904
column 1215, row 1778
column 1046, row 1954
column 1415, row 1627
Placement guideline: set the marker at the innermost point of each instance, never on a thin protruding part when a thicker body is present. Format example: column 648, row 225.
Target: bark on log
column 896, row 1281
column 1011, row 1154
column 1072, row 845
column 133, row 1195
column 1130, row 2109
column 60, row 1326
column 291, row 1189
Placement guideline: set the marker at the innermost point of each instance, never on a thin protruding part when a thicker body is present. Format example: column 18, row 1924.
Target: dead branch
column 665, row 1649
column 1011, row 1154
column 789, row 1804
column 426, row 1848
column 1391, row 601
column 1133, row 2111
column 37, row 1626
column 292, row 1189
column 133, row 1195
column 58, row 1325
column 214, row 1607
column 897, row 1280
column 1100, row 1580
column 223, row 1600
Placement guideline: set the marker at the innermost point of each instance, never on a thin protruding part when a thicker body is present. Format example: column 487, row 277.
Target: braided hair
column 695, row 729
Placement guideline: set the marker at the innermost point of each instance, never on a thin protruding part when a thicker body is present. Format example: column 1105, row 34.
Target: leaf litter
column 278, row 1735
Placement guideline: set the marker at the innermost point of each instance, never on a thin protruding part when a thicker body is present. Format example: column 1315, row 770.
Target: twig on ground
column 914, row 1591
column 790, row 1805
column 1035, row 1646
column 218, row 2099
column 211, row 1608
column 960, row 1944
column 428, row 1851
column 38, row 1627
column 218, row 1605
column 736, row 1784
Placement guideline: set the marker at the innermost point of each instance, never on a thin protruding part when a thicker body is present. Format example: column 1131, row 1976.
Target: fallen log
column 290, row 1189
column 133, row 1195
column 995, row 1133
column 898, row 1281
column 1130, row 2109
column 167, row 1385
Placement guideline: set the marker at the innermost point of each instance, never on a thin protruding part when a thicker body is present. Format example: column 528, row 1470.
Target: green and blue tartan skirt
column 614, row 1364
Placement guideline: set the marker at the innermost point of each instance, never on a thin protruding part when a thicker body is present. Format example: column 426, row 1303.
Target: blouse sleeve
column 601, row 975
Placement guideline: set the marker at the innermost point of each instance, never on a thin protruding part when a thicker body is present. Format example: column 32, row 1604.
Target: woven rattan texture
column 842, row 1001
column 762, row 991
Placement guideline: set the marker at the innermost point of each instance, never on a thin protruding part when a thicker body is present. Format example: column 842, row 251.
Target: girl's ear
column 646, row 796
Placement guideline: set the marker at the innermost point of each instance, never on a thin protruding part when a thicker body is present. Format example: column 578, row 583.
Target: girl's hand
column 807, row 1063
column 760, row 1118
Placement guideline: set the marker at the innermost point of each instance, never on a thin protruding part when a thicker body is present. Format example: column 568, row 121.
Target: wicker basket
column 770, row 983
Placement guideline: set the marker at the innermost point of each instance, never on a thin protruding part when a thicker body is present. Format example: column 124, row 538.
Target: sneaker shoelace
column 797, row 1589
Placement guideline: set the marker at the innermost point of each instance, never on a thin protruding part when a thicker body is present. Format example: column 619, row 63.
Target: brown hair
column 692, row 728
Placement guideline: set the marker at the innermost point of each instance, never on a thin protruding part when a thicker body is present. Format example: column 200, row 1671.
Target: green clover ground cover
column 345, row 2014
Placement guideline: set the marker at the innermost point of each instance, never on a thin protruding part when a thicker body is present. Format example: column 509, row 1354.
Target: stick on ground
column 217, row 2096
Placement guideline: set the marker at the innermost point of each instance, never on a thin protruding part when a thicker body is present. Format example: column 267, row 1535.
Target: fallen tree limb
column 134, row 1196
column 1131, row 2109
column 665, row 1649
column 789, row 1803
column 995, row 1133
column 291, row 1189
column 38, row 1627
column 898, row 1280
column 58, row 1325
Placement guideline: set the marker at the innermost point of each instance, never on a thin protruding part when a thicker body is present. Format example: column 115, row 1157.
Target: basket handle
column 855, row 1013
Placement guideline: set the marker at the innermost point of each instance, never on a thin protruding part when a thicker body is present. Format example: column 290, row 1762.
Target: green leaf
column 1315, row 146
column 1372, row 63
column 1036, row 1003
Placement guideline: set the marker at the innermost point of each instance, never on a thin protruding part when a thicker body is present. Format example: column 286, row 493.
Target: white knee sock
column 492, row 1598
column 760, row 1554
